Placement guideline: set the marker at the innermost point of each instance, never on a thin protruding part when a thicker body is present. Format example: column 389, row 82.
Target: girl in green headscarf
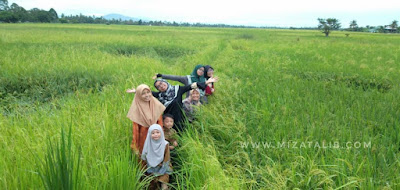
column 198, row 74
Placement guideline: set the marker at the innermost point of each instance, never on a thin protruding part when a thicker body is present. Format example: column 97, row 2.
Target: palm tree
column 353, row 25
column 394, row 25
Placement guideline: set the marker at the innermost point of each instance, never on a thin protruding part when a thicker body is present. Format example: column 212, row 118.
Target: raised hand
column 155, row 76
column 211, row 80
column 133, row 90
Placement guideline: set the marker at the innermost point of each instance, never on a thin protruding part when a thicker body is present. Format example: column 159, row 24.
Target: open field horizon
column 289, row 111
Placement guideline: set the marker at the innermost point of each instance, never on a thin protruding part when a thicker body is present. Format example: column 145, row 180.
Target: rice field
column 292, row 109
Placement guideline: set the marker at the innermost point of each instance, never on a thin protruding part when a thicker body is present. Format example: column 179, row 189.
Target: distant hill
column 118, row 16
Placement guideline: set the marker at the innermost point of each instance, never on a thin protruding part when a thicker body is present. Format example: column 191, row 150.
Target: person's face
column 161, row 86
column 168, row 122
column 155, row 134
column 195, row 95
column 200, row 71
column 210, row 72
column 146, row 95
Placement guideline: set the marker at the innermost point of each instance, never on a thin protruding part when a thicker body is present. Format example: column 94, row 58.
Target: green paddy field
column 293, row 109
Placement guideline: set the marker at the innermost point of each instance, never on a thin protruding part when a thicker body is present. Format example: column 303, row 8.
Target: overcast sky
column 284, row 13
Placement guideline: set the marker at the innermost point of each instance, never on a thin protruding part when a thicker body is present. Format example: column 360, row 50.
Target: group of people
column 158, row 117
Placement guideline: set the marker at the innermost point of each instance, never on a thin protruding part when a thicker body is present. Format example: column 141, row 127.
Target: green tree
column 63, row 20
column 327, row 25
column 19, row 12
column 353, row 25
column 43, row 16
column 37, row 15
column 7, row 16
column 53, row 15
column 394, row 25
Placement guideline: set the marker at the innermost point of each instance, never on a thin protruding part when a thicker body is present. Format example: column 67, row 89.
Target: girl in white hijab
column 157, row 156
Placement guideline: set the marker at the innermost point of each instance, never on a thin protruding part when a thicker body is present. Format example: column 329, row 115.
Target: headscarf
column 206, row 68
column 169, row 95
column 153, row 150
column 194, row 102
column 188, row 102
column 142, row 112
column 196, row 78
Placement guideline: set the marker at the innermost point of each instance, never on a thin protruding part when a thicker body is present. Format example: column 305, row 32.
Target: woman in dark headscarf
column 171, row 97
column 208, row 73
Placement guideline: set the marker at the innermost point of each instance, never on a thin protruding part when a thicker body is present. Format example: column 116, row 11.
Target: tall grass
column 60, row 169
column 199, row 167
column 125, row 173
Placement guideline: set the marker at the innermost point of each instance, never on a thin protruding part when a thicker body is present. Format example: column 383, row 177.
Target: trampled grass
column 284, row 98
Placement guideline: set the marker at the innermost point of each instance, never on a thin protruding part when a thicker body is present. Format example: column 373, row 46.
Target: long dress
column 157, row 156
column 162, row 171
column 139, row 135
column 143, row 113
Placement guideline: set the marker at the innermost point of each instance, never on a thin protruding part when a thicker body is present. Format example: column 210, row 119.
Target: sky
column 281, row 13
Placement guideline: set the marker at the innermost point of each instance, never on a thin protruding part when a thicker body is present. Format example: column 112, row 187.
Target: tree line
column 100, row 20
column 15, row 13
column 393, row 27
column 330, row 24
